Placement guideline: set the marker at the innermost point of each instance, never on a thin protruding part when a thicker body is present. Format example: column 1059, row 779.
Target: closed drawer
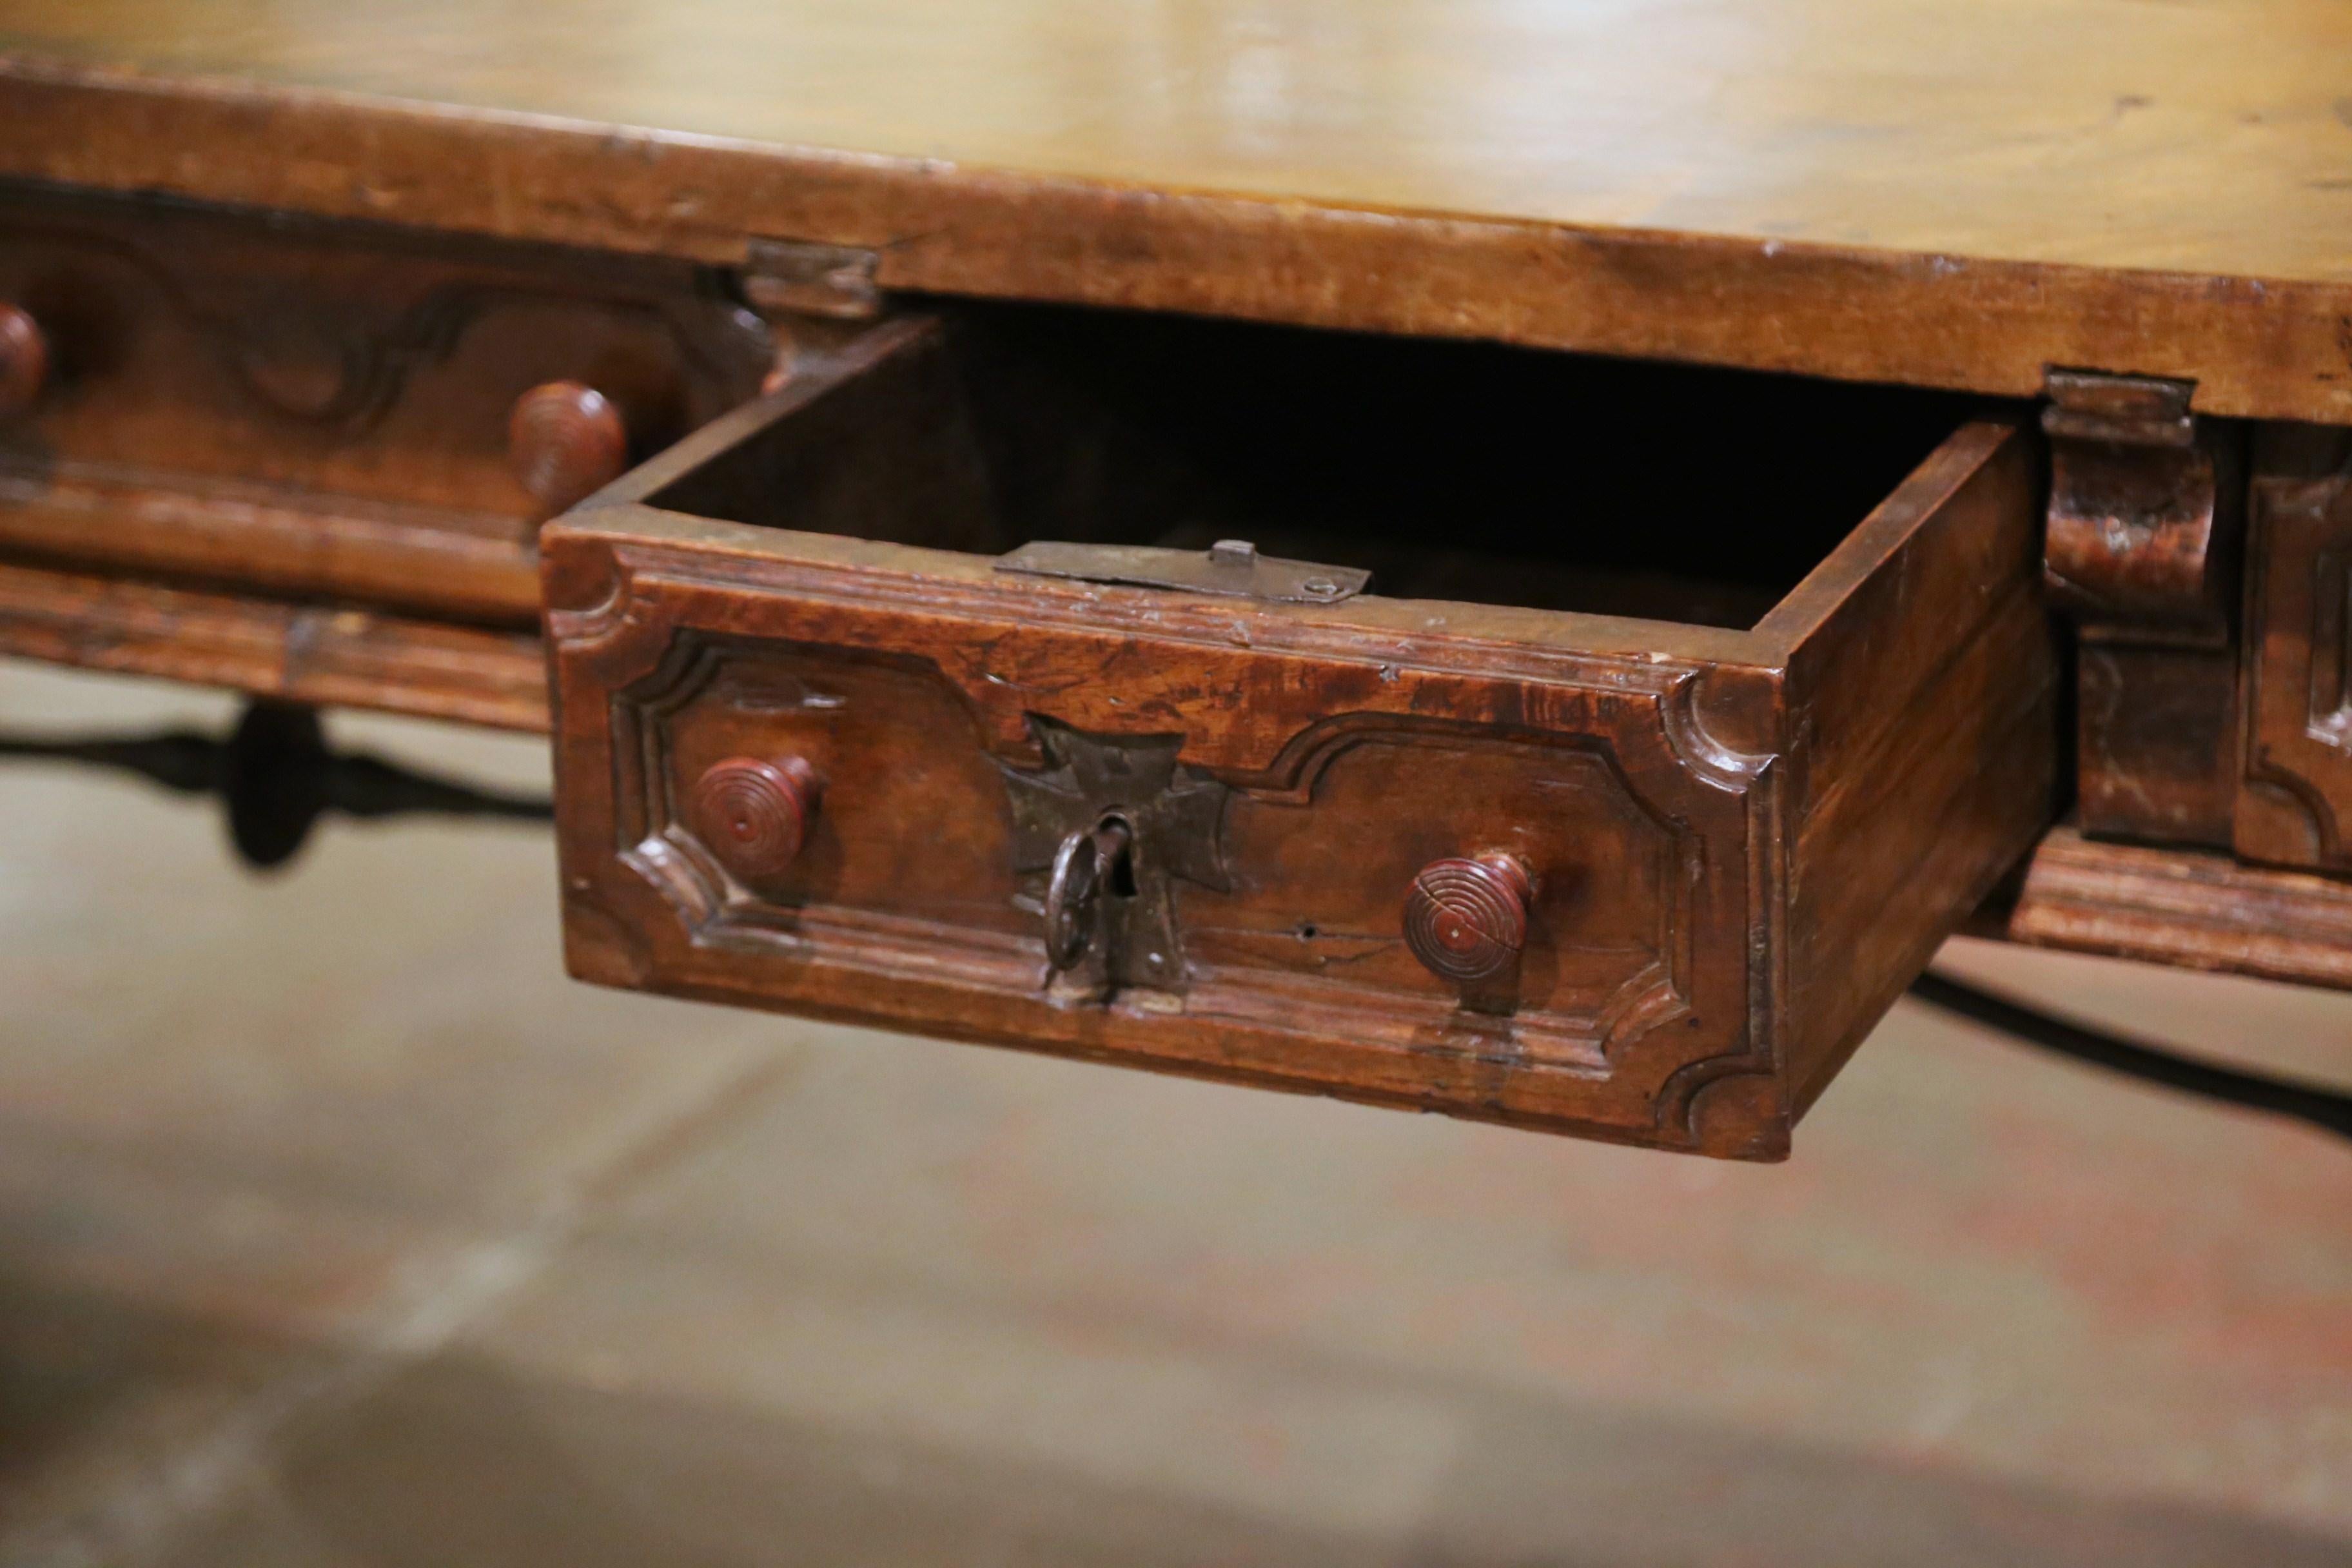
column 2294, row 805
column 1652, row 763
column 333, row 410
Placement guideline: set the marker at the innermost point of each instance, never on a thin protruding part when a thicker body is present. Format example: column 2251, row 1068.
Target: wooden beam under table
column 305, row 653
column 2185, row 908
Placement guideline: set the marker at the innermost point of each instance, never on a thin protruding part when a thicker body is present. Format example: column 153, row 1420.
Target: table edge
column 2273, row 349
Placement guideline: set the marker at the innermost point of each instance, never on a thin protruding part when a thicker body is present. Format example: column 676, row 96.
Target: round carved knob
column 566, row 441
column 753, row 815
column 1468, row 919
column 24, row 362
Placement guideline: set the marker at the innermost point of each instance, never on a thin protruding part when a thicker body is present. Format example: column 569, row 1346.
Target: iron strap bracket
column 1230, row 567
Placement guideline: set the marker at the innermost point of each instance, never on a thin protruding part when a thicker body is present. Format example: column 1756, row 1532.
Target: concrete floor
column 337, row 1228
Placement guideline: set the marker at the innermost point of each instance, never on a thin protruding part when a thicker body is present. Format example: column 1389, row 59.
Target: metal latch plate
column 1230, row 567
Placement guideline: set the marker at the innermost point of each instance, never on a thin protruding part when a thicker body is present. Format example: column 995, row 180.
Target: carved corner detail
column 1694, row 710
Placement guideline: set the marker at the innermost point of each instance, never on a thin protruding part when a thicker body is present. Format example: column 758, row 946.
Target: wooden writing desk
column 894, row 676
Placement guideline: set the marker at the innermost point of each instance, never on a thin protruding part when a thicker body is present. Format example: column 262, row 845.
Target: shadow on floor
column 461, row 1460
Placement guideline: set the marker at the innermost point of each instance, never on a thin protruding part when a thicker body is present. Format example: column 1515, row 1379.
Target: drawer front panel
column 1620, row 887
column 910, row 826
column 319, row 407
column 954, row 737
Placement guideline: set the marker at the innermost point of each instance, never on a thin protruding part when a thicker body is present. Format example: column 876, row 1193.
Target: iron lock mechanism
column 1092, row 867
column 1105, row 831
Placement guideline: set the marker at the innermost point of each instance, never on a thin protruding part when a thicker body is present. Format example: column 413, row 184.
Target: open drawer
column 1683, row 714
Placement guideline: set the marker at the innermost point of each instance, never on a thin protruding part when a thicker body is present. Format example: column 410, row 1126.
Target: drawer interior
column 1451, row 470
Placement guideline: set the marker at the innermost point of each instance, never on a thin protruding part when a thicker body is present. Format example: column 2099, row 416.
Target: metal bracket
column 1230, row 567
column 809, row 279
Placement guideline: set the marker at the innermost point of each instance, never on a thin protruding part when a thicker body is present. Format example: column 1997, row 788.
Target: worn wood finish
column 302, row 653
column 2295, row 809
column 1897, row 190
column 325, row 408
column 2178, row 907
column 1921, row 691
column 1739, row 844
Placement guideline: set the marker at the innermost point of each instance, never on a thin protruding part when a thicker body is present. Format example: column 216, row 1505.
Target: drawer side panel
column 1923, row 725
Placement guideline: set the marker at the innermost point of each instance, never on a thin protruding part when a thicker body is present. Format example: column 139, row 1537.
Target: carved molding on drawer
column 1678, row 782
column 656, row 839
column 328, row 410
column 336, row 350
column 1622, row 990
column 2331, row 673
column 2296, row 807
column 332, row 365
column 975, row 632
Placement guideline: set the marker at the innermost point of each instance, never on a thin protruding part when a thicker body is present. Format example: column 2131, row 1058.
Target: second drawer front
column 369, row 414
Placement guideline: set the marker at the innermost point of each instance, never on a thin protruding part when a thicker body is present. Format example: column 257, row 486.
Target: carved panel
column 1608, row 955
column 2296, row 807
column 915, row 707
column 326, row 408
column 193, row 341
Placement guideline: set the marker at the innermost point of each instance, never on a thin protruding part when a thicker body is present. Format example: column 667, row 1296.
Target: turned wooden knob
column 753, row 815
column 1468, row 919
column 567, row 441
column 24, row 362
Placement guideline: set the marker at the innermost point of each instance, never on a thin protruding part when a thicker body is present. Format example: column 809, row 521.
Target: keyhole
column 1122, row 882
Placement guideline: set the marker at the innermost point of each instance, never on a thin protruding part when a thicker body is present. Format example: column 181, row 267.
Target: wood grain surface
column 1901, row 190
